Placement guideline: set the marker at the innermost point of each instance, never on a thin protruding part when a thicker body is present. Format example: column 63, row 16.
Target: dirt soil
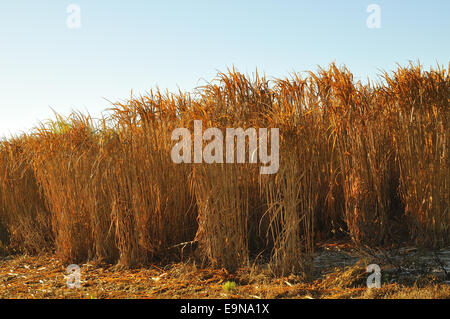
column 339, row 272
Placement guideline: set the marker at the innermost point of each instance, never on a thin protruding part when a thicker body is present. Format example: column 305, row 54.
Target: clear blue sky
column 124, row 45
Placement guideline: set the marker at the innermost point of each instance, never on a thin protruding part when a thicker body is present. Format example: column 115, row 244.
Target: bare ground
column 339, row 272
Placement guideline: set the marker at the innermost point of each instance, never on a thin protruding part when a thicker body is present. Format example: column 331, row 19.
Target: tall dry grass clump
column 152, row 204
column 25, row 219
column 226, row 202
column 365, row 160
column 361, row 132
column 421, row 101
column 303, row 194
column 66, row 166
column 229, row 198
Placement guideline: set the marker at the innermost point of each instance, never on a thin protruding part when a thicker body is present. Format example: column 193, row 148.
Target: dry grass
column 152, row 205
column 368, row 161
column 361, row 123
column 421, row 100
column 65, row 165
column 25, row 221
